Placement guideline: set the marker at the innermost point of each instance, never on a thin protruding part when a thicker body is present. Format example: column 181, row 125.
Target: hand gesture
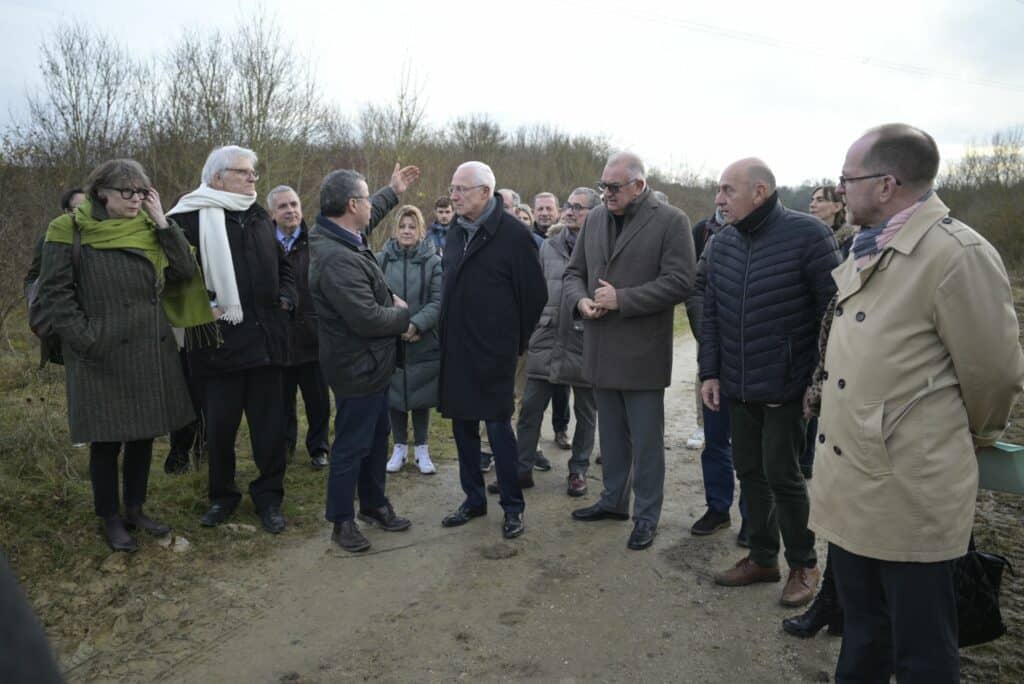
column 605, row 296
column 402, row 178
column 399, row 302
column 589, row 309
column 154, row 209
column 410, row 334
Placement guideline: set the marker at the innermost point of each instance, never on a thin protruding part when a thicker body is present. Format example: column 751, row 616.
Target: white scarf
column 214, row 249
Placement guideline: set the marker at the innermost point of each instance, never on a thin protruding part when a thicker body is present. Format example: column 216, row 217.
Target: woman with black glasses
column 116, row 276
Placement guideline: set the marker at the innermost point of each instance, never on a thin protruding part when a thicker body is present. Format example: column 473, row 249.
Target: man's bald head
column 744, row 186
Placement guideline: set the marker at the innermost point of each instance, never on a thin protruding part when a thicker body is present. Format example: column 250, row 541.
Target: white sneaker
column 422, row 456
column 397, row 459
column 696, row 440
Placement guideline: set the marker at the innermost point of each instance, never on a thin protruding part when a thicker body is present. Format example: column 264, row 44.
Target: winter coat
column 922, row 366
column 651, row 265
column 554, row 257
column 302, row 335
column 415, row 276
column 493, row 294
column 265, row 278
column 438, row 235
column 767, row 287
column 123, row 377
column 357, row 322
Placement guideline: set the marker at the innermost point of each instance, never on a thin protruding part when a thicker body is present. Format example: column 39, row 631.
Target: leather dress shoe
column 642, row 535
column 318, row 460
column 800, row 586
column 525, row 482
column 384, row 518
column 513, row 525
column 825, row 611
column 745, row 572
column 273, row 521
column 347, row 535
column 117, row 536
column 216, row 514
column 541, row 462
column 595, row 512
column 462, row 515
column 135, row 518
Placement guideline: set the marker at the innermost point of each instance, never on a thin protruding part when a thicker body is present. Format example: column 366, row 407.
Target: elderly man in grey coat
column 634, row 263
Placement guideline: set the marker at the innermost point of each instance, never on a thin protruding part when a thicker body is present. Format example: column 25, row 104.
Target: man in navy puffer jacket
column 768, row 285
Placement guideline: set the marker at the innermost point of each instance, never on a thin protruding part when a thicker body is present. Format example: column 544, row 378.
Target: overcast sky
column 690, row 85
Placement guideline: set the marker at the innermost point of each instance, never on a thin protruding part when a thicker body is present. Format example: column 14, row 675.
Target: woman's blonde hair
column 417, row 217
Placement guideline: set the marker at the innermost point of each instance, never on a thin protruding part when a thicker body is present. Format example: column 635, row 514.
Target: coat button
column 124, row 340
column 947, row 220
column 153, row 300
column 821, row 438
column 824, row 375
column 860, row 317
column 841, row 383
column 839, row 452
column 839, row 311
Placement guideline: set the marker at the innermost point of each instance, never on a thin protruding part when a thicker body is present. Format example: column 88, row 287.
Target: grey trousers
column 536, row 397
column 632, row 447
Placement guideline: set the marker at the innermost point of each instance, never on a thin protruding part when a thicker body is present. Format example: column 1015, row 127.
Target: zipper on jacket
column 743, row 318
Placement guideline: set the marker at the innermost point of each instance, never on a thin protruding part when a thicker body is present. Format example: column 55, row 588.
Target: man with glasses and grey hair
column 555, row 356
column 358, row 324
column 493, row 295
column 630, row 268
column 252, row 290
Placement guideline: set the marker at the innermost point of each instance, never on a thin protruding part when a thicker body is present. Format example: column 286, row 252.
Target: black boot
column 135, row 518
column 117, row 536
column 824, row 611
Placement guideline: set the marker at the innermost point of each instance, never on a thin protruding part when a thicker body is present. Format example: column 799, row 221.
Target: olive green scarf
column 185, row 302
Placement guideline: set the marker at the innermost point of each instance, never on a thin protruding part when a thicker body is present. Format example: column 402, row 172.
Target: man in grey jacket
column 359, row 321
column 632, row 266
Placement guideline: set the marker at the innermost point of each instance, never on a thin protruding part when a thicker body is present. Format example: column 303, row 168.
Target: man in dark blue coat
column 768, row 283
column 493, row 295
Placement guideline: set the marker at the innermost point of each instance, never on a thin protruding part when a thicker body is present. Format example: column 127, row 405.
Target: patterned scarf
column 870, row 242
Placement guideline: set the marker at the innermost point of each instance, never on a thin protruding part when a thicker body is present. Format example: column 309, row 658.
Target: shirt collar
column 339, row 232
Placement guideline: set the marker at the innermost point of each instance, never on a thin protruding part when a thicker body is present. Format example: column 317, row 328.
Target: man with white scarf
column 252, row 291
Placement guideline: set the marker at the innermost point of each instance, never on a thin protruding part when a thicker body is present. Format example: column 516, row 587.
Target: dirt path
column 566, row 602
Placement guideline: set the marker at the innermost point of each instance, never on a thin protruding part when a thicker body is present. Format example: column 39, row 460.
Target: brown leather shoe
column 745, row 572
column 800, row 586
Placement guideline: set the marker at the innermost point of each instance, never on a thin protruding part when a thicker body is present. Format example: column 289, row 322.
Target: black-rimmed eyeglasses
column 613, row 188
column 128, row 193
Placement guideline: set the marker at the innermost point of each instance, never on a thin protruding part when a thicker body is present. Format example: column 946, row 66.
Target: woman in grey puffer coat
column 412, row 270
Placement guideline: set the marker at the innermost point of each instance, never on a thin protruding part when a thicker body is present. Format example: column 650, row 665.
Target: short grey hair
column 544, row 195
column 516, row 199
column 634, row 165
column 222, row 158
column 280, row 189
column 337, row 189
column 482, row 173
column 593, row 198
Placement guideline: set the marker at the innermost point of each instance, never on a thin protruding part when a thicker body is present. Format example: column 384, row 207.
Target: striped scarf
column 870, row 242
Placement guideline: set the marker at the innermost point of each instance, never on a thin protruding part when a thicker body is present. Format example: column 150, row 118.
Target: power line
column 758, row 39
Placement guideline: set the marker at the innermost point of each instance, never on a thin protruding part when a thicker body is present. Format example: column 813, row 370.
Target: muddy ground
column 567, row 602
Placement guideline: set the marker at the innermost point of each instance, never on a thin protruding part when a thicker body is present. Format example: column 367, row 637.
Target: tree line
column 97, row 101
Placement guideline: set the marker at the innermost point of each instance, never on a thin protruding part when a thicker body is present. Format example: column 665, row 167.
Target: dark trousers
column 359, row 455
column 632, row 438
column 716, row 460
column 807, row 456
column 560, row 408
column 257, row 393
column 308, row 379
column 766, row 445
column 103, row 474
column 420, row 426
column 536, row 396
column 503, row 446
column 898, row 618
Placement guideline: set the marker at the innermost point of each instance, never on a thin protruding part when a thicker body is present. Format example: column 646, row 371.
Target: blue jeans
column 359, row 455
column 506, row 463
column 716, row 461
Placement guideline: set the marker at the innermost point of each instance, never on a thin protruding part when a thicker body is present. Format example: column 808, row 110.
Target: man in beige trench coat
column 923, row 365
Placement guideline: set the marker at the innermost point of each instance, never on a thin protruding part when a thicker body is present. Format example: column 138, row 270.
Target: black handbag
column 976, row 579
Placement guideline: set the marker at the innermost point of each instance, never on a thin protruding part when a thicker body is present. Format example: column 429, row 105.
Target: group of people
column 877, row 316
